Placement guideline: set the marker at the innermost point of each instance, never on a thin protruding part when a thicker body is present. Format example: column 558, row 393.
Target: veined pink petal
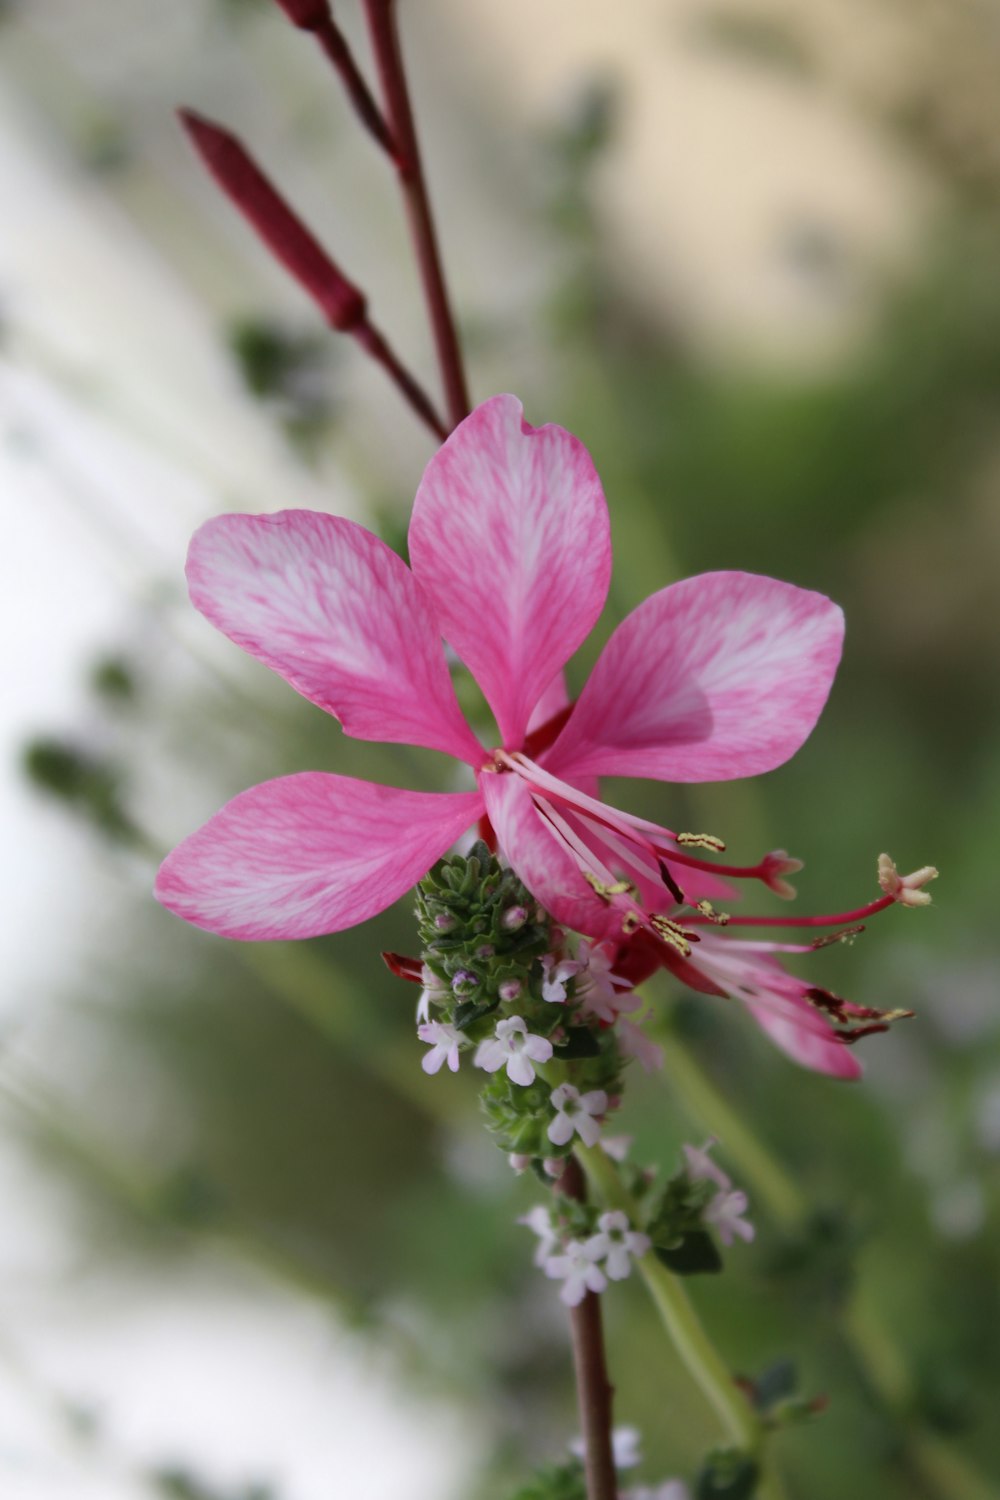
column 776, row 1000
column 510, row 539
column 813, row 1046
column 540, row 860
column 309, row 853
column 340, row 616
column 720, row 676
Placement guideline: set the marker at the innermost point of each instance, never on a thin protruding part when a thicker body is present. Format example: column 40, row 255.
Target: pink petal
column 720, row 676
column 510, row 539
column 340, row 616
column 554, row 700
column 813, row 1046
column 547, row 869
column 309, row 853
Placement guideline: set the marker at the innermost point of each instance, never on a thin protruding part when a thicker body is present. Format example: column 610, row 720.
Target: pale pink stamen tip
column 774, row 867
column 908, row 890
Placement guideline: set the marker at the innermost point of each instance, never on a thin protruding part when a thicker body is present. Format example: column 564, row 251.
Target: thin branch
column 384, row 31
column 594, row 1390
column 342, row 303
column 316, row 16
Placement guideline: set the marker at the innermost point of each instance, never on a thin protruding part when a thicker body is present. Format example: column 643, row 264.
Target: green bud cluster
column 481, row 934
column 483, row 937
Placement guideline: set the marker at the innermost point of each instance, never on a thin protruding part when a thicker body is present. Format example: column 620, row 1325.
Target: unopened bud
column 519, row 1161
column 464, row 982
column 511, row 989
column 514, row 917
column 278, row 225
column 444, row 921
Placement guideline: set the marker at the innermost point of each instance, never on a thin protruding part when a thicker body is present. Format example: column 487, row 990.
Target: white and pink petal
column 339, row 615
column 309, row 854
column 510, row 539
column 720, row 676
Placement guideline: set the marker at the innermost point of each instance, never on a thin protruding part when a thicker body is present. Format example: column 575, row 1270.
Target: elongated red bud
column 280, row 228
column 310, row 15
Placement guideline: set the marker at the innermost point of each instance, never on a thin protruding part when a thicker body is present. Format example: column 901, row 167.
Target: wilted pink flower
column 721, row 676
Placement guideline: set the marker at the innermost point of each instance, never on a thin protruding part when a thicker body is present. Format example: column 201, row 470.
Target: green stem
column 878, row 1357
column 702, row 1359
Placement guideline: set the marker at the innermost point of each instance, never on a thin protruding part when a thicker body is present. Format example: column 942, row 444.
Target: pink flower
column 720, row 676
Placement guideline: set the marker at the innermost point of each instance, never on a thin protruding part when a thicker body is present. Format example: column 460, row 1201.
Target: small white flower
column 556, row 974
column 727, row 1209
column 725, row 1214
column 433, row 993
column 576, row 1112
column 577, row 1271
column 617, row 1243
column 539, row 1221
column 625, row 1447
column 519, row 1162
column 701, row 1167
column 602, row 993
column 616, row 1146
column 635, row 1043
column 516, row 1046
column 444, row 1042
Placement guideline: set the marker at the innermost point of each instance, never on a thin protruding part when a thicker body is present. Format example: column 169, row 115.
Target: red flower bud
column 277, row 224
column 310, row 15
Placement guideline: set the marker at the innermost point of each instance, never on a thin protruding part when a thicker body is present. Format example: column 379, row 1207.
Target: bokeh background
column 748, row 250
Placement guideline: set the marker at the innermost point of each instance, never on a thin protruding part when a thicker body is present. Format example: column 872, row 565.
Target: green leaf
column 696, row 1255
column 580, row 1042
column 471, row 1011
column 727, row 1475
column 777, row 1383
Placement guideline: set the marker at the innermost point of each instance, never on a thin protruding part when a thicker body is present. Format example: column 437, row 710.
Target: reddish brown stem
column 317, row 16
column 374, row 344
column 594, row 1390
column 334, row 44
column 279, row 226
column 382, row 25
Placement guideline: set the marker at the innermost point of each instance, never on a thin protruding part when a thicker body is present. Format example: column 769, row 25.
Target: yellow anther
column 630, row 923
column 605, row 891
column 700, row 841
column 708, row 911
column 672, row 934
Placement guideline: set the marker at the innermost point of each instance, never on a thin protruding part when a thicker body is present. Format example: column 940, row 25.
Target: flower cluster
column 585, row 1248
column 585, row 1264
